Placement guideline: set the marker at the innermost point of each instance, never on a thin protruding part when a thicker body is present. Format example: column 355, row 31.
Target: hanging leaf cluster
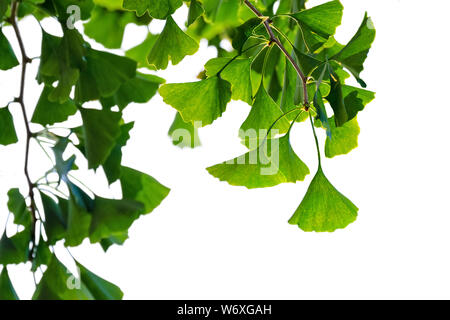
column 284, row 62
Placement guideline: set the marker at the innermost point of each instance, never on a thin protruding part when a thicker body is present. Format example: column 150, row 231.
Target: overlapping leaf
column 202, row 101
column 272, row 163
column 172, row 44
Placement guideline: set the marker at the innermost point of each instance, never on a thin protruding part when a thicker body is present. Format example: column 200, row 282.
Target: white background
column 209, row 240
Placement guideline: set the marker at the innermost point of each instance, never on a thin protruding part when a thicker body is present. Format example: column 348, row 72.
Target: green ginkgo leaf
column 58, row 283
column 343, row 139
column 43, row 255
column 8, row 59
column 143, row 188
column 4, row 4
column 322, row 19
column 172, row 44
column 141, row 52
column 118, row 238
column 48, row 112
column 356, row 99
column 103, row 75
column 7, row 131
column 354, row 54
column 336, row 100
column 18, row 207
column 78, row 223
column 103, row 21
column 98, row 287
column 60, row 62
column 7, row 291
column 236, row 72
column 158, row 9
column 139, row 89
column 55, row 223
column 112, row 165
column 203, row 101
column 195, row 11
column 84, row 7
column 222, row 12
column 101, row 128
column 112, row 216
column 15, row 249
column 324, row 209
column 263, row 115
column 184, row 134
column 274, row 162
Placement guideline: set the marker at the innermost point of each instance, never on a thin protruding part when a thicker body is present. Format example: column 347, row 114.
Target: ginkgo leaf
column 110, row 4
column 244, row 32
column 222, row 12
column 354, row 54
column 322, row 19
column 4, row 4
column 84, row 8
column 15, row 249
column 195, row 11
column 43, row 255
column 159, row 9
column 60, row 61
column 172, row 44
column 141, row 52
column 7, row 291
column 343, row 139
column 98, row 287
column 8, row 59
column 112, row 165
column 103, row 75
column 184, row 134
column 143, row 188
column 320, row 106
column 306, row 62
column 101, row 128
column 356, row 99
column 324, row 209
column 263, row 115
column 118, row 238
column 7, row 131
column 103, row 21
column 139, row 89
column 236, row 72
column 58, row 283
column 18, row 207
column 274, row 162
column 112, row 216
column 55, row 223
column 48, row 112
column 78, row 224
column 202, row 101
column 336, row 100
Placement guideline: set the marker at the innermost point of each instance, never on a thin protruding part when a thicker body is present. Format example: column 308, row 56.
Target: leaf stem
column 273, row 38
column 20, row 100
column 316, row 140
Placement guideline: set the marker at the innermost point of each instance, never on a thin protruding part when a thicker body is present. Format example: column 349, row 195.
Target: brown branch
column 20, row 100
column 277, row 41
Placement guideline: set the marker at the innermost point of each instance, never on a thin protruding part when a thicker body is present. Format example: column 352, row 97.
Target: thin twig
column 20, row 100
column 273, row 38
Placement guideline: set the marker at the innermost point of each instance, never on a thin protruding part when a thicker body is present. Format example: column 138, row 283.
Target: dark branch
column 277, row 41
column 29, row 135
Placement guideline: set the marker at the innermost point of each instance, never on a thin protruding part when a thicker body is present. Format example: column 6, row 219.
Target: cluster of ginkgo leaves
column 284, row 62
